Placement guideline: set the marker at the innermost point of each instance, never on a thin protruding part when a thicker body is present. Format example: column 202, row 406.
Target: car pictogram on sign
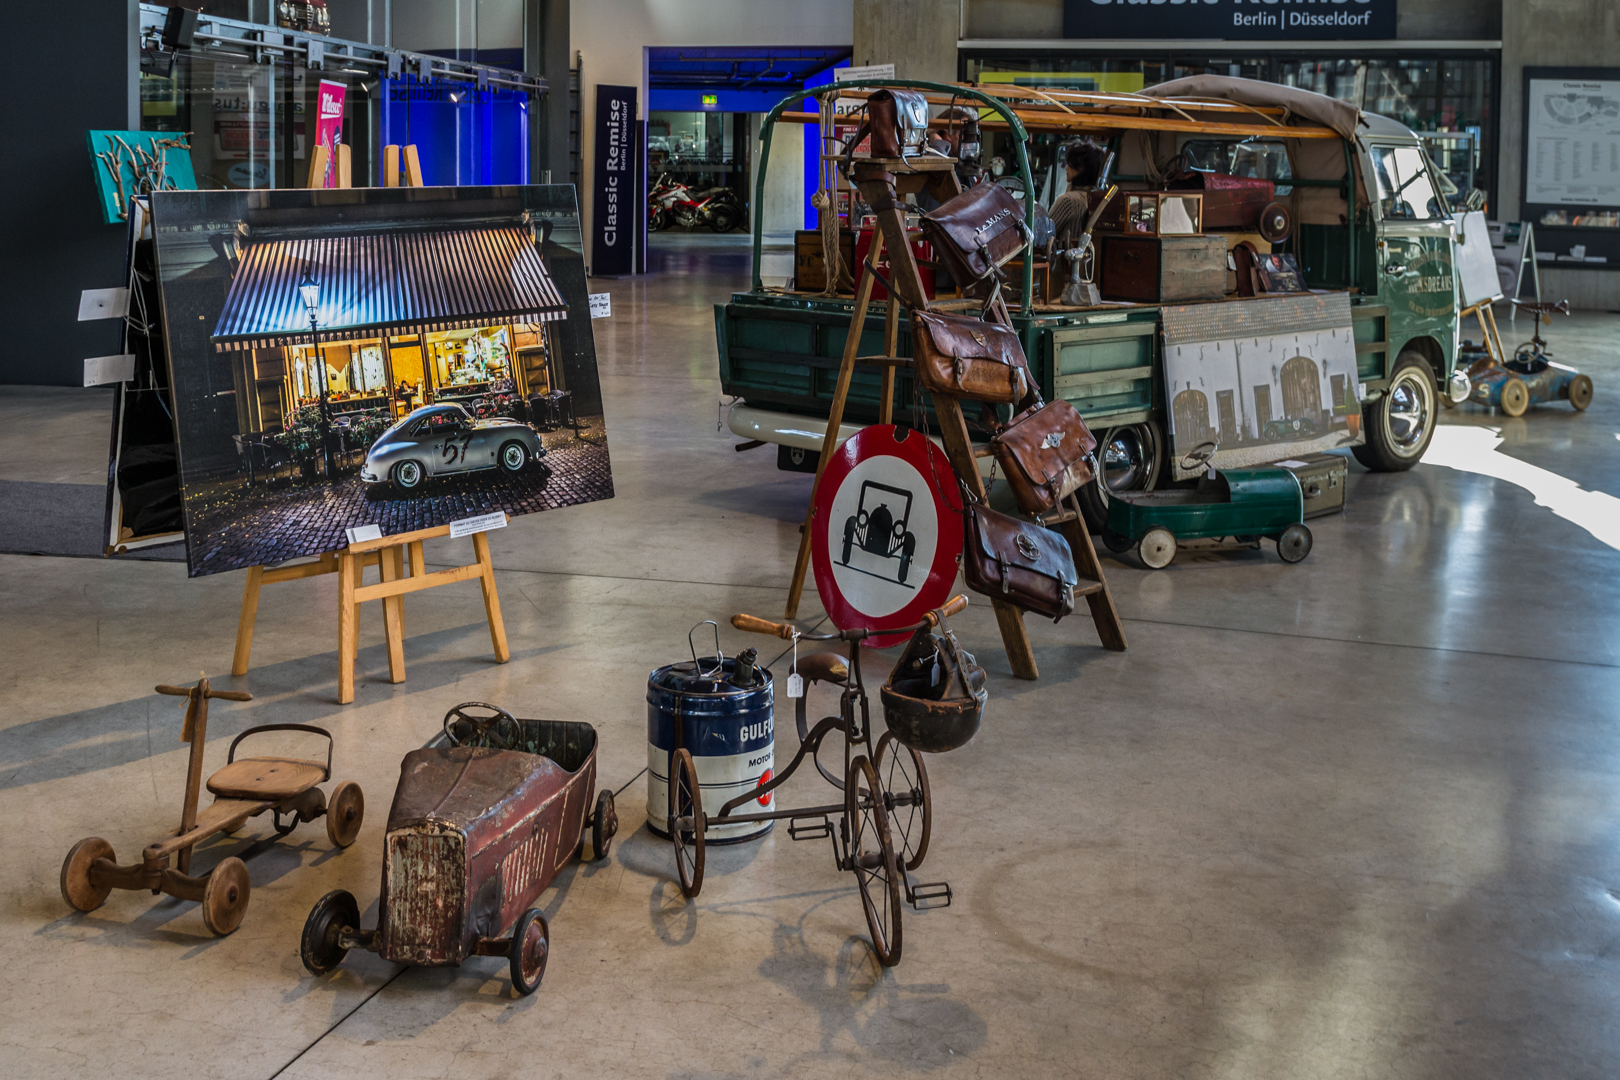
column 874, row 528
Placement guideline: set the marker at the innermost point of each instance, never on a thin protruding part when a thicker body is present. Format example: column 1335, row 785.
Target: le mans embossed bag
column 960, row 356
column 975, row 232
column 1005, row 558
column 1046, row 453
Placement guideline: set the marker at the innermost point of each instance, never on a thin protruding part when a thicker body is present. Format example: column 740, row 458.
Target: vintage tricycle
column 1530, row 377
column 242, row 789
column 1245, row 504
column 884, row 818
column 483, row 818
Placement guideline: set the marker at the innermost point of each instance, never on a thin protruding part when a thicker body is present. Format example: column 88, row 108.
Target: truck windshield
column 1405, row 191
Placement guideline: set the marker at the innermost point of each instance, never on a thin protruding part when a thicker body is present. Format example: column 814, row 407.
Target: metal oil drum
column 729, row 731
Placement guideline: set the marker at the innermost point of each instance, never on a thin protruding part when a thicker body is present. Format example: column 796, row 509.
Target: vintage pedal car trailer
column 1346, row 179
column 482, row 820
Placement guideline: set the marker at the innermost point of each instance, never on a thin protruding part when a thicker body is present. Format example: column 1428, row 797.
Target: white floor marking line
column 1476, row 450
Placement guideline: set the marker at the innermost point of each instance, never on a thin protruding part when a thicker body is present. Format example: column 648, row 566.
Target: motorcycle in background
column 671, row 202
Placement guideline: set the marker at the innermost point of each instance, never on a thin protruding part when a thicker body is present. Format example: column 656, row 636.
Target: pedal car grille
column 425, row 880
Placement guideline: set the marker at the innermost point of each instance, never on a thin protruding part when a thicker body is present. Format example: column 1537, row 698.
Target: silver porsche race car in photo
column 437, row 440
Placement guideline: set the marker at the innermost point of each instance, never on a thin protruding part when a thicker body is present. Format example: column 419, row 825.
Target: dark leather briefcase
column 1012, row 560
column 975, row 232
column 1046, row 454
column 963, row 357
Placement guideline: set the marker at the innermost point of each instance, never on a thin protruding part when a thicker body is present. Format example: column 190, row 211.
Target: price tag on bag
column 795, row 680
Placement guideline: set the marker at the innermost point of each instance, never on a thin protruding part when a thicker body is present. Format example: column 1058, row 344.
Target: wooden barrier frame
column 397, row 576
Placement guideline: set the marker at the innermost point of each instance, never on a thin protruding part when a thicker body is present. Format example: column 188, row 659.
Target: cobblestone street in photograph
column 260, row 525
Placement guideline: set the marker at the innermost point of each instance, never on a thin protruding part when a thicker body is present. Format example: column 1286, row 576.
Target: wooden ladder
column 959, row 448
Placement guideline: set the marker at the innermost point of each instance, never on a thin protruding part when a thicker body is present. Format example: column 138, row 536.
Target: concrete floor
column 1351, row 818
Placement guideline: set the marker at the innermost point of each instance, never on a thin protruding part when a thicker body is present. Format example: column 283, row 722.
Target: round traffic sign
column 884, row 541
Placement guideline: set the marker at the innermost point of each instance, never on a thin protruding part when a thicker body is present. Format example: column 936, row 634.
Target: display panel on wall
column 398, row 357
column 1231, row 20
column 1571, row 173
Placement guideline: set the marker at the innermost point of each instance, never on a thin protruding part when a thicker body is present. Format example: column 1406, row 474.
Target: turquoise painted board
column 138, row 159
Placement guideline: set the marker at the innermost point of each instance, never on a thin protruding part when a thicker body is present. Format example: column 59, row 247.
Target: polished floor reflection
column 1355, row 817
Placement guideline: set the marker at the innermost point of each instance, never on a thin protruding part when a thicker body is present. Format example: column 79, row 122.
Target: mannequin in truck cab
column 1084, row 164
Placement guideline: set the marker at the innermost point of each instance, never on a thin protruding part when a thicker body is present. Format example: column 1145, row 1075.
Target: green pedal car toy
column 1244, row 504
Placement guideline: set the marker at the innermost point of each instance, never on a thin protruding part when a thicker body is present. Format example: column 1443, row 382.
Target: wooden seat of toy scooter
column 270, row 779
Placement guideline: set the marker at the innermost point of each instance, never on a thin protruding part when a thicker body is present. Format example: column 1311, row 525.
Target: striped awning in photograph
column 419, row 280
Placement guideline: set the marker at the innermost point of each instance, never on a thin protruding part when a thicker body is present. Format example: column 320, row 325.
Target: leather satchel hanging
column 1024, row 564
column 899, row 123
column 1046, row 453
column 976, row 232
column 964, row 357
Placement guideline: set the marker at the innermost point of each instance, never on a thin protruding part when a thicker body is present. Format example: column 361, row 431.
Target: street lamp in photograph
column 310, row 291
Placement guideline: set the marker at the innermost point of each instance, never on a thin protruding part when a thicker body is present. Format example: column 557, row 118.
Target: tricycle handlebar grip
column 174, row 691
column 231, row 695
column 753, row 624
column 955, row 604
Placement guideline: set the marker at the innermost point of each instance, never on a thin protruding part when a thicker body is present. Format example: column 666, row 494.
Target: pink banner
column 329, row 126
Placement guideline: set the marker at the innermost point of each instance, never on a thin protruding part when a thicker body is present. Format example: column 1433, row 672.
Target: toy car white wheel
column 1157, row 548
column 513, row 456
column 332, row 914
column 407, row 475
column 531, row 945
column 1515, row 397
column 1294, row 543
column 1580, row 392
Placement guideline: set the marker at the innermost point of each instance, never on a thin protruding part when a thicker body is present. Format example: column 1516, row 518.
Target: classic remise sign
column 615, row 213
column 1236, row 20
column 884, row 543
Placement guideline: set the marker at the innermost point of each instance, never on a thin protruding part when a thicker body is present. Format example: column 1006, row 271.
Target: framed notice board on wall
column 1571, row 176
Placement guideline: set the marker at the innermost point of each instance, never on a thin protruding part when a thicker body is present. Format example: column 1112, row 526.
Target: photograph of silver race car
column 437, row 440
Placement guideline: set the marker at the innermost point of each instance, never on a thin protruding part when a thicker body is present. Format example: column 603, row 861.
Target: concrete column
column 917, row 36
column 547, row 53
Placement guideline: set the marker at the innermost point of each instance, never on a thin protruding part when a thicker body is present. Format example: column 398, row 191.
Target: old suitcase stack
column 1321, row 479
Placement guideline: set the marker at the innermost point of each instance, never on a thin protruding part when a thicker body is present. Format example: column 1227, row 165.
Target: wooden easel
column 1487, row 325
column 397, row 577
column 891, row 233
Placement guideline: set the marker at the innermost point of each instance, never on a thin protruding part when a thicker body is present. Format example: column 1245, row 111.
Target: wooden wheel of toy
column 78, row 890
column 1157, row 548
column 1580, row 392
column 345, row 813
column 1515, row 397
column 686, row 821
column 331, row 915
column 1294, row 543
column 531, row 946
column 604, row 826
column 873, row 860
column 907, row 798
column 225, row 898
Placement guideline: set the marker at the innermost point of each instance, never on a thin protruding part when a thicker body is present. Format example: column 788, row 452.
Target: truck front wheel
column 1400, row 424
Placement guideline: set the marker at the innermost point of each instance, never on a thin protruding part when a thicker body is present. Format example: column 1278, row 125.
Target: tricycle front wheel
column 686, row 821
column 1294, row 543
column 873, row 860
column 78, row 890
column 531, row 944
column 332, row 914
column 1157, row 548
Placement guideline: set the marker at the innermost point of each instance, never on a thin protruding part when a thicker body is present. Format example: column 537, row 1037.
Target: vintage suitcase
column 1150, row 269
column 1321, row 479
column 1230, row 202
column 809, row 268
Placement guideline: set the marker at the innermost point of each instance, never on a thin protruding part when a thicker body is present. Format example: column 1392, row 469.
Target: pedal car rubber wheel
column 331, row 915
column 1515, row 397
column 1580, row 392
column 872, row 859
column 1157, row 548
column 1294, row 543
column 686, row 804
column 344, row 813
column 604, row 825
column 901, row 771
column 1115, row 542
column 225, row 898
column 531, row 944
column 513, row 457
column 408, row 475
column 77, row 889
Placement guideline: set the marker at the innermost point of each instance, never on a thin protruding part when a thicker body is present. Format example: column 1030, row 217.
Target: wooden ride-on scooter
column 242, row 789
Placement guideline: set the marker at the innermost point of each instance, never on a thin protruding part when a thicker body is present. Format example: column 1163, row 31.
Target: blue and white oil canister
column 722, row 710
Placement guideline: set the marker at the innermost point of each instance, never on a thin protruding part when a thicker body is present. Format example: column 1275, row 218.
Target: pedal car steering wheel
column 1198, row 457
column 463, row 728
